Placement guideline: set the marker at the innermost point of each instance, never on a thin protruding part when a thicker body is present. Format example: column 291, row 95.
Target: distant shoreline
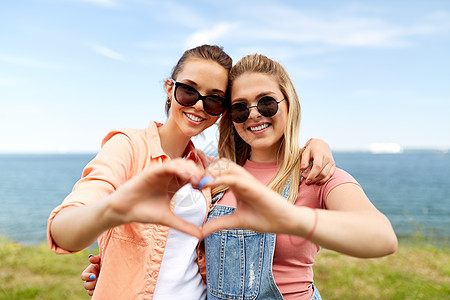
column 443, row 150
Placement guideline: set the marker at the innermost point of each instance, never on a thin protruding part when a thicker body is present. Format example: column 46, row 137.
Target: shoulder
column 129, row 134
column 133, row 135
column 339, row 177
column 320, row 192
column 342, row 176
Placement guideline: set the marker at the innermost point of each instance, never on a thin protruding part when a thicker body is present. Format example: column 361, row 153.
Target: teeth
column 194, row 118
column 260, row 127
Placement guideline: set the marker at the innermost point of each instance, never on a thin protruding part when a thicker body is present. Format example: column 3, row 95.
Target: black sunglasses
column 186, row 95
column 267, row 107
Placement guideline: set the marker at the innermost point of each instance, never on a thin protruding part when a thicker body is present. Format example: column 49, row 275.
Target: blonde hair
column 233, row 147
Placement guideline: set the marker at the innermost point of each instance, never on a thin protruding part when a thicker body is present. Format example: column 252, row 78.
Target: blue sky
column 366, row 72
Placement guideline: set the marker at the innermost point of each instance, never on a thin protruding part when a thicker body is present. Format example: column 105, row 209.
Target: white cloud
column 208, row 36
column 28, row 62
column 103, row 3
column 309, row 32
column 346, row 32
column 108, row 52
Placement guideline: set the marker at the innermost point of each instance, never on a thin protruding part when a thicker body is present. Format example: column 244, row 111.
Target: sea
column 411, row 188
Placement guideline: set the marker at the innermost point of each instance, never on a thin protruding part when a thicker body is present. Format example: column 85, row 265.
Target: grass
column 413, row 272
column 417, row 271
column 34, row 272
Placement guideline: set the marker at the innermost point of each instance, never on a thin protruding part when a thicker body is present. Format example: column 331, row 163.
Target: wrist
column 305, row 222
column 111, row 216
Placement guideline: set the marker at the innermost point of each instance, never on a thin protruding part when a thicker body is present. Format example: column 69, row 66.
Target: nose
column 254, row 113
column 198, row 105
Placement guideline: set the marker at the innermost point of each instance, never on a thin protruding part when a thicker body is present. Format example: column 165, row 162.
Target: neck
column 266, row 155
column 173, row 141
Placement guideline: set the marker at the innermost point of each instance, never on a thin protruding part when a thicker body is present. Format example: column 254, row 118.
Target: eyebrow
column 194, row 84
column 259, row 96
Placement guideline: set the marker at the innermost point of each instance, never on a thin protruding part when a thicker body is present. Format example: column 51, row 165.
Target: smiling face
column 208, row 78
column 263, row 134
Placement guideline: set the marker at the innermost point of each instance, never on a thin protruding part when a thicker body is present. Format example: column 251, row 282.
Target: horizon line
column 362, row 150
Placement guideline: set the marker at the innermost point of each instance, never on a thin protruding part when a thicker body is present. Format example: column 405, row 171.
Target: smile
column 194, row 118
column 260, row 127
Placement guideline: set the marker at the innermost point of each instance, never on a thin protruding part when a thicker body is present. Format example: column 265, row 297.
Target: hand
column 90, row 274
column 258, row 207
column 200, row 158
column 146, row 197
column 318, row 152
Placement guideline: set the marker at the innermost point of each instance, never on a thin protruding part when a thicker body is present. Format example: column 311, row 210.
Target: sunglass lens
column 186, row 95
column 214, row 105
column 267, row 106
column 239, row 112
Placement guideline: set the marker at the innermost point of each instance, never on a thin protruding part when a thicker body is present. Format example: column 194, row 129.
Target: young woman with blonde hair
column 262, row 191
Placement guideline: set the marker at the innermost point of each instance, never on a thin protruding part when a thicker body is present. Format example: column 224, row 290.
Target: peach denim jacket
column 131, row 253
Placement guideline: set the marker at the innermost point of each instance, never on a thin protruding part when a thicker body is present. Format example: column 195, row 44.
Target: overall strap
column 286, row 189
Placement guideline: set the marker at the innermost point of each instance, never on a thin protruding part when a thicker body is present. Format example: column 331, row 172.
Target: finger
column 176, row 174
column 89, row 276
column 180, row 168
column 86, row 275
column 230, row 180
column 94, row 259
column 323, row 174
column 315, row 170
column 330, row 173
column 90, row 292
column 90, row 285
column 306, row 158
column 220, row 223
column 91, row 270
column 188, row 172
column 219, row 167
column 179, row 224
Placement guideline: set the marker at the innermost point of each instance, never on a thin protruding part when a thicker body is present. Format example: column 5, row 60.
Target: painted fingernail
column 204, row 181
column 92, row 277
column 90, row 255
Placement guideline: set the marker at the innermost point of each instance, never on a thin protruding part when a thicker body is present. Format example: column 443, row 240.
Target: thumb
column 225, row 222
column 179, row 224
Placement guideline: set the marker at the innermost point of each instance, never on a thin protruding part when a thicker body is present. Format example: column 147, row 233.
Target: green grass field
column 416, row 271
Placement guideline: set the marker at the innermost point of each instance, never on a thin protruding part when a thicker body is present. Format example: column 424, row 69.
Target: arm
column 145, row 198
column 351, row 225
column 319, row 153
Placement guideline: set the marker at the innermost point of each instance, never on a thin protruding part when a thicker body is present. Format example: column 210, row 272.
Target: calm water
column 412, row 189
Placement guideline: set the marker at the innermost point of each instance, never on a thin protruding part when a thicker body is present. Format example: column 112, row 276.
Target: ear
column 169, row 86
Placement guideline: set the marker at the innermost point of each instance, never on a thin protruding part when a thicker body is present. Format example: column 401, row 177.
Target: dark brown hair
column 207, row 52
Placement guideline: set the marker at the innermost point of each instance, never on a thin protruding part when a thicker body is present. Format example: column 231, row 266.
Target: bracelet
column 313, row 229
column 316, row 217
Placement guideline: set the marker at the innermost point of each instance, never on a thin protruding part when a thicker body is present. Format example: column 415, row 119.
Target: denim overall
column 239, row 261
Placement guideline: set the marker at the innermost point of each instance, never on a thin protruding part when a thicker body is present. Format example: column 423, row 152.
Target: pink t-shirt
column 294, row 258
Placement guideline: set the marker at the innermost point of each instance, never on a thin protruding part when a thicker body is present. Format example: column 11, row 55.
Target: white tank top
column 179, row 277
